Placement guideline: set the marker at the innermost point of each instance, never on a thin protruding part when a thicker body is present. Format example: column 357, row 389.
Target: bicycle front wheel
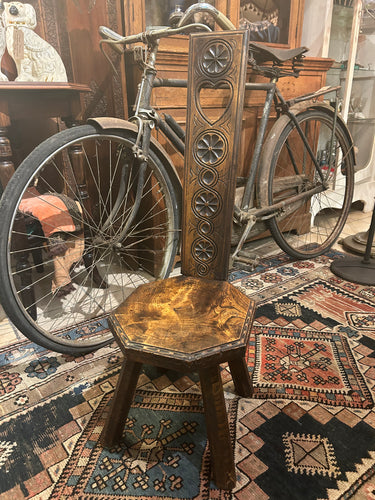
column 309, row 225
column 80, row 230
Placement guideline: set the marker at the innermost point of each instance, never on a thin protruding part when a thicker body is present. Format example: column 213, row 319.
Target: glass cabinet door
column 270, row 21
column 360, row 104
column 352, row 47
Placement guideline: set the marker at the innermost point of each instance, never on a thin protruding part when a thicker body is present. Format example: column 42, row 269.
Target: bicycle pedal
column 247, row 262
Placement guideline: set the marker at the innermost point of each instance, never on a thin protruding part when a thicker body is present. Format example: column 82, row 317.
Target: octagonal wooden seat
column 198, row 320
column 186, row 324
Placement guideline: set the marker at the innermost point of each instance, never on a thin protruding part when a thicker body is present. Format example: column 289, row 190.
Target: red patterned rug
column 305, row 365
column 309, row 431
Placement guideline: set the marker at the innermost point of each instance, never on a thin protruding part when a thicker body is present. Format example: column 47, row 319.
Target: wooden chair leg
column 222, row 460
column 122, row 400
column 241, row 378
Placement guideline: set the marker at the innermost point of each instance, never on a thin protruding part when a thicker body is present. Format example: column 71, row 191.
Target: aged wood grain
column 121, row 403
column 190, row 322
column 184, row 314
column 212, row 144
column 224, row 473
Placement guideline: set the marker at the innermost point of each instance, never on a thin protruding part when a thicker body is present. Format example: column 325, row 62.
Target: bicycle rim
column 310, row 226
column 71, row 229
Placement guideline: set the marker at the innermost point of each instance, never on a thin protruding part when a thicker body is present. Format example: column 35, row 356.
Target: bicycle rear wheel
column 72, row 206
column 307, row 227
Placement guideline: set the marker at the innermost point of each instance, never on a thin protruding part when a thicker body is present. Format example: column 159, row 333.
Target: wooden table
column 21, row 100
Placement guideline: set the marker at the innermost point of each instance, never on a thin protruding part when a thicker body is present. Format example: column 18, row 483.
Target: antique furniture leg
column 121, row 403
column 23, row 266
column 21, row 244
column 241, row 378
column 222, row 460
column 77, row 161
column 6, row 163
column 35, row 242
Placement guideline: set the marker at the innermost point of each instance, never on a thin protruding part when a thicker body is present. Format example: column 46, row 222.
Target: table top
column 43, row 86
column 19, row 100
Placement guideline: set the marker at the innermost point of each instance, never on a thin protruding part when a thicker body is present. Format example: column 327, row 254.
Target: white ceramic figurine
column 36, row 59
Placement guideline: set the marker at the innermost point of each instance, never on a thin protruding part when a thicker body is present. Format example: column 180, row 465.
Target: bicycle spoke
column 95, row 269
column 298, row 228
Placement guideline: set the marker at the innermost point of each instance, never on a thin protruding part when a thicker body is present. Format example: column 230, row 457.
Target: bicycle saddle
column 275, row 55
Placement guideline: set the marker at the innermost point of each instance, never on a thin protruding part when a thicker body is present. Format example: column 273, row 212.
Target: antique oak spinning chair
column 196, row 321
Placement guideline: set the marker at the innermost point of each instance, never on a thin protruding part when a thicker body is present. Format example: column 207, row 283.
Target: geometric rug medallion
column 312, row 366
column 310, row 455
column 161, row 454
column 362, row 321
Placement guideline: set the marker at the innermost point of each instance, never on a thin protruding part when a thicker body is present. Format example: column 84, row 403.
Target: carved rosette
column 216, row 58
column 210, row 148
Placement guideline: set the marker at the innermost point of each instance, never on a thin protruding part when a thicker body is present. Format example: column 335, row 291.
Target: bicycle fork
column 145, row 118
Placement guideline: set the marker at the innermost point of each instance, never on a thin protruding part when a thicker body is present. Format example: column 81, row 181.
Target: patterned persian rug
column 309, row 431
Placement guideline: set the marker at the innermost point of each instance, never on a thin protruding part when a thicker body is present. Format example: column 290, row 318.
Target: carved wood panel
column 216, row 63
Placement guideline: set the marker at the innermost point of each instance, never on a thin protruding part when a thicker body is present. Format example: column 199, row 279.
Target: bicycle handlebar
column 219, row 17
column 184, row 26
column 113, row 38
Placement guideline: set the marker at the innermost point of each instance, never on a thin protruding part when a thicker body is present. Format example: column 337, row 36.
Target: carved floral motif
column 210, row 148
column 206, row 204
column 216, row 58
column 204, row 250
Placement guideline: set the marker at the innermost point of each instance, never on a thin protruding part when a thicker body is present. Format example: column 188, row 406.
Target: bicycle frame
column 147, row 118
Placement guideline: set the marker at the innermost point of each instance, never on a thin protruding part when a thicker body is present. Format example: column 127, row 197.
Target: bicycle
column 123, row 197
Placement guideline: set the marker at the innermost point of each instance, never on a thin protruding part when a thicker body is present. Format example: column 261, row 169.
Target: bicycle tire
column 70, row 317
column 307, row 228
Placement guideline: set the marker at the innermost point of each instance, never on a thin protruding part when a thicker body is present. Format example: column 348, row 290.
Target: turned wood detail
column 211, row 153
column 20, row 244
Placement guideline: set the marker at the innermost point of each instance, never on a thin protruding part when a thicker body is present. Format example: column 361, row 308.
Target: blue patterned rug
column 307, row 433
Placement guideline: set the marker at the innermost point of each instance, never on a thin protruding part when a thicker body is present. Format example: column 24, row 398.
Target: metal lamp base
column 355, row 270
column 357, row 243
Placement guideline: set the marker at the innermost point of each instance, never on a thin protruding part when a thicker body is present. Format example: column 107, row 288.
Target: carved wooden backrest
column 216, row 61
